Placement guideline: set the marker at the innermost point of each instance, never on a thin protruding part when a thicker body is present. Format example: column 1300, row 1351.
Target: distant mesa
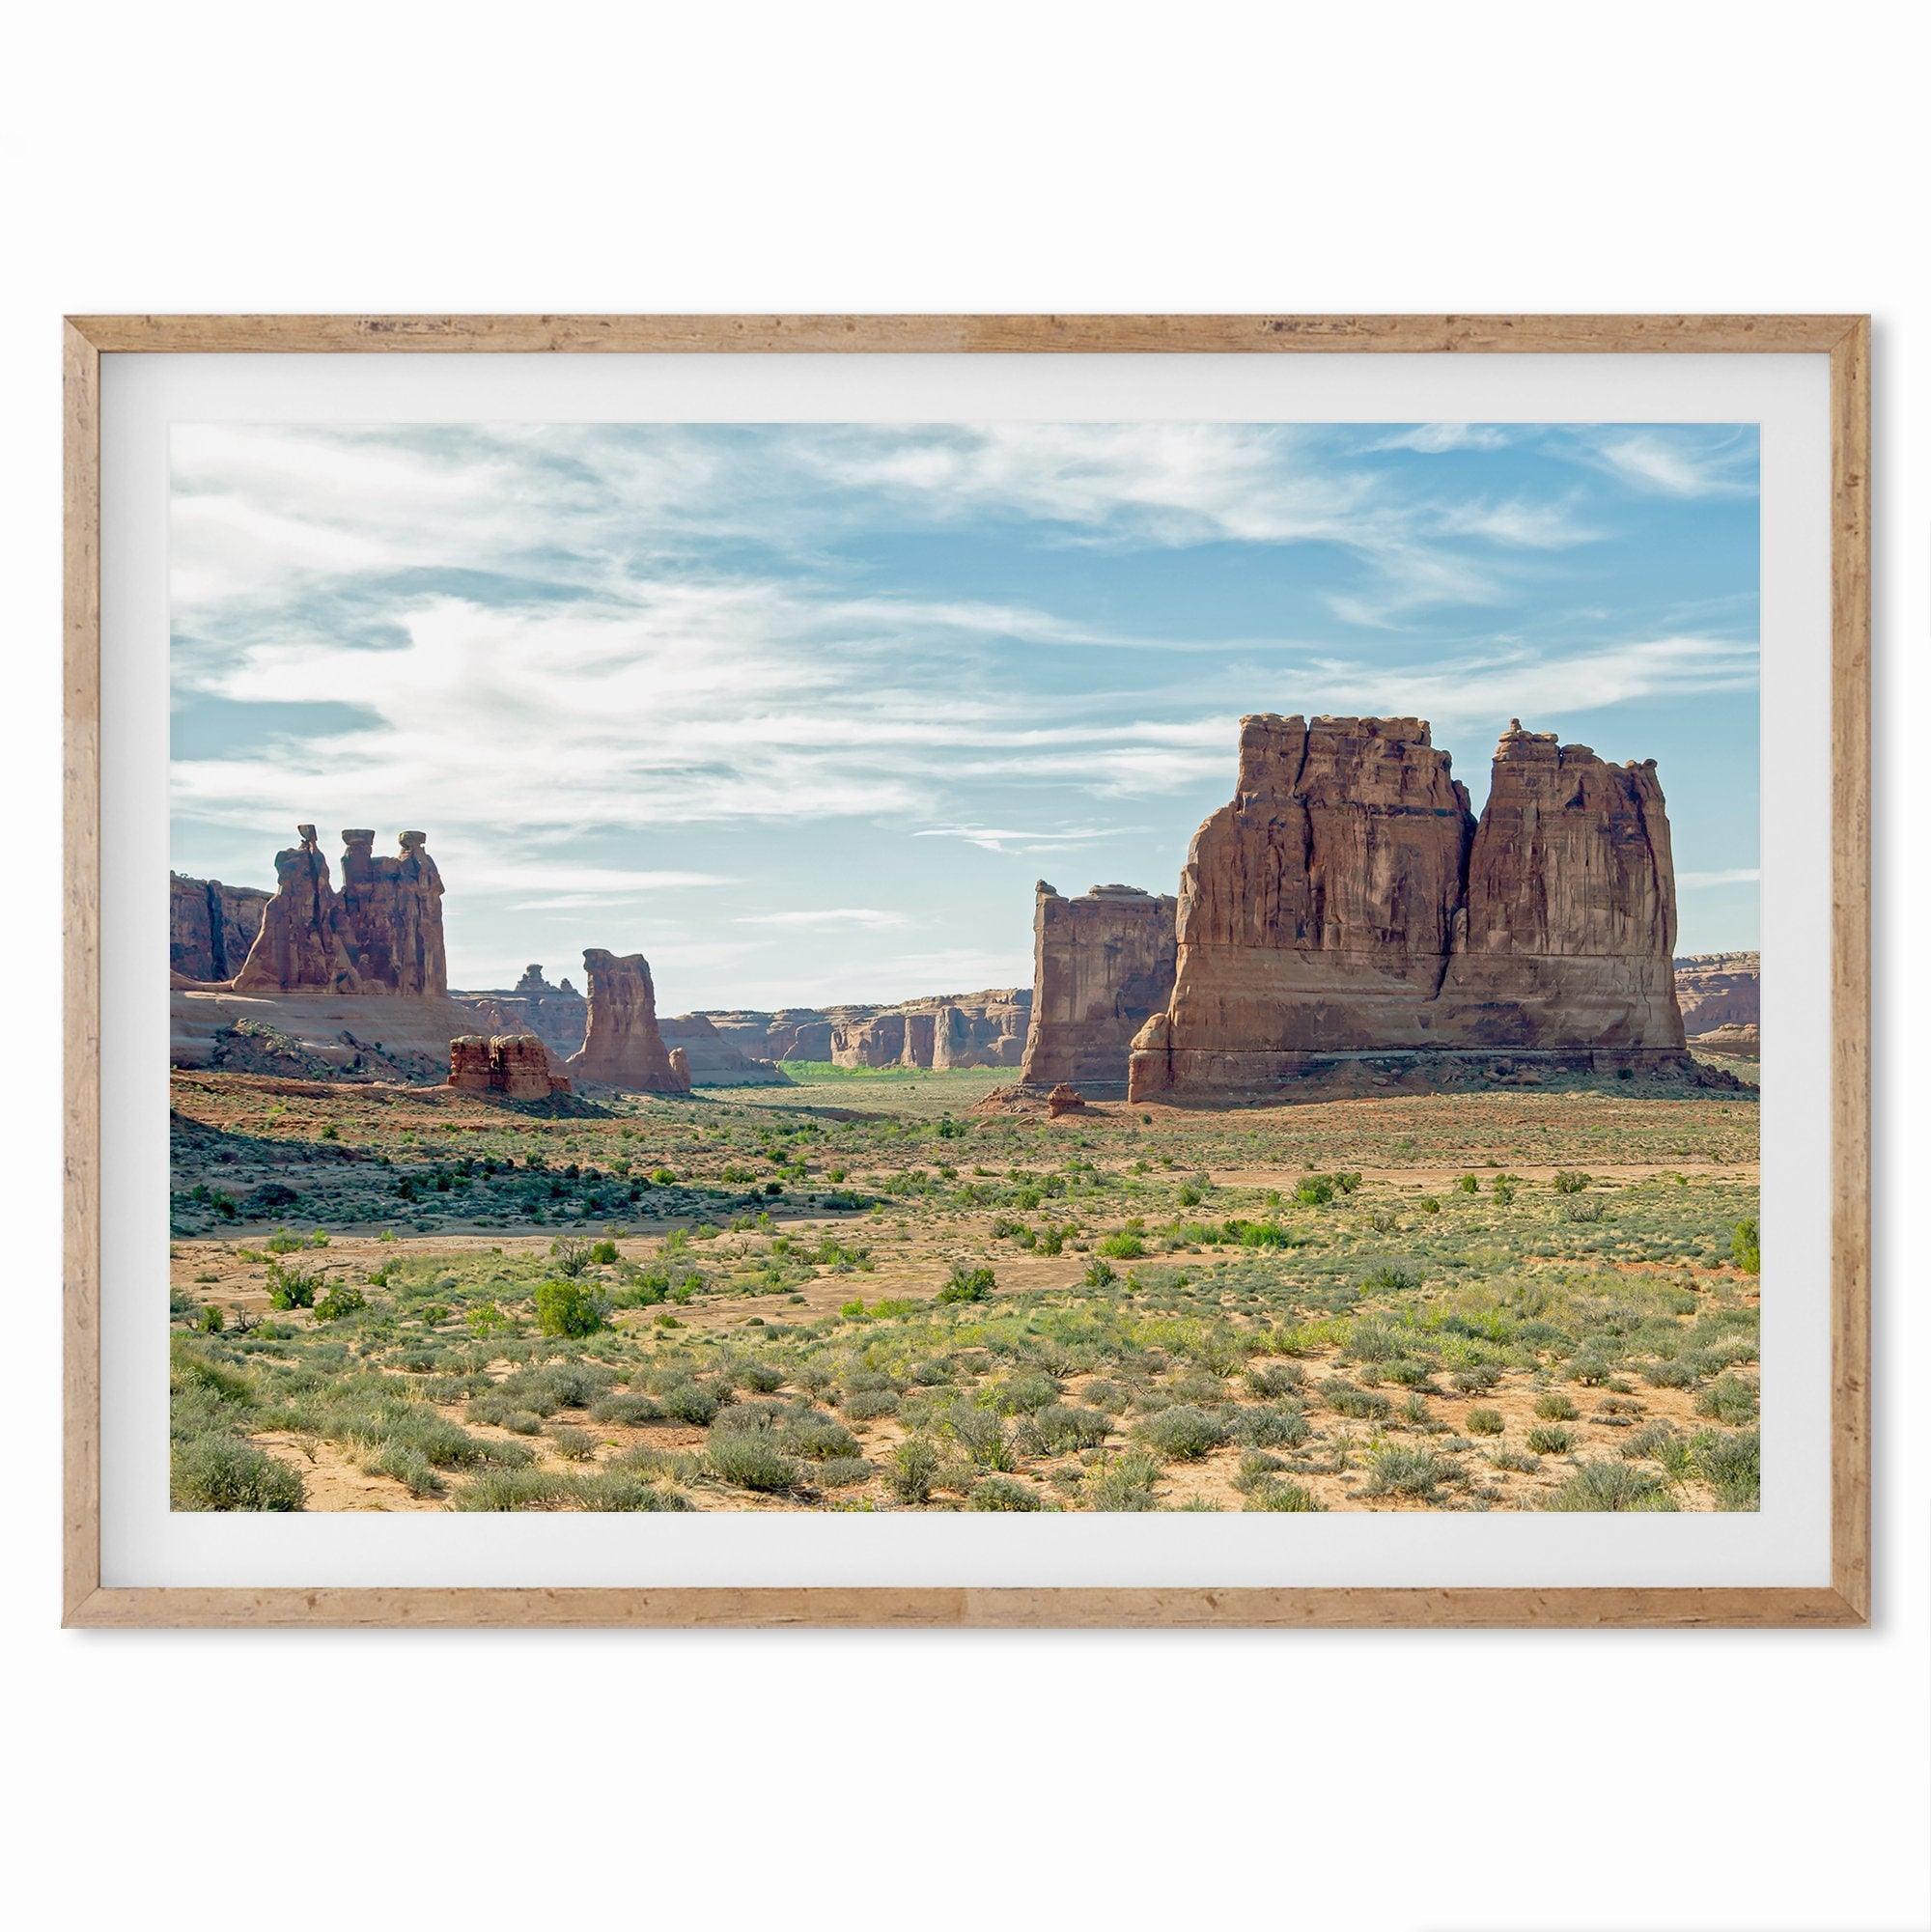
column 515, row 1065
column 945, row 1030
column 973, row 1029
column 1718, row 990
column 1103, row 965
column 621, row 1045
column 556, row 1015
column 711, row 1060
column 1346, row 905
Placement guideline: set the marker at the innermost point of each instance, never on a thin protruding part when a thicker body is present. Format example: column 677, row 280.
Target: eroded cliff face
column 1102, row 965
column 1717, row 990
column 1346, row 902
column 622, row 1043
column 210, row 926
column 394, row 909
column 380, row 933
column 1572, row 907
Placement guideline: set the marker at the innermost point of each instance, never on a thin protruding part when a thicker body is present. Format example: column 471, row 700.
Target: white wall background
column 1028, row 156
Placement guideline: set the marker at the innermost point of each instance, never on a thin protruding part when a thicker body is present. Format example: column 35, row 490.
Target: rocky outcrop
column 1063, row 1100
column 515, row 1065
column 1102, row 965
column 1735, row 1043
column 680, row 1067
column 210, row 927
column 380, row 933
column 622, row 1043
column 711, row 1060
column 966, row 1029
column 303, row 945
column 557, row 1015
column 1716, row 989
column 394, row 912
column 1347, row 904
column 1571, row 908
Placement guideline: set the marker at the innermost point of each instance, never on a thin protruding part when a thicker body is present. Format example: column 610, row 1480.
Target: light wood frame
column 1844, row 1601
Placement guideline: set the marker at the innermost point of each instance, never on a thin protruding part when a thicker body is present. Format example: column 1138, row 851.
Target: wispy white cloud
column 827, row 919
column 1679, row 464
column 992, row 839
column 1738, row 875
column 1440, row 439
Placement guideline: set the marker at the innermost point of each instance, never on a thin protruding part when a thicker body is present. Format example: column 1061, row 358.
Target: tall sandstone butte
column 1102, row 965
column 621, row 1045
column 380, row 933
column 1346, row 902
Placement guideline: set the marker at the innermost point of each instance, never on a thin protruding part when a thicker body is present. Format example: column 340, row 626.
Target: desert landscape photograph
column 630, row 1052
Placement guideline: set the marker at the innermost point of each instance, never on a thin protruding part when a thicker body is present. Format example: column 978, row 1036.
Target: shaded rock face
column 380, row 933
column 621, row 1045
column 710, row 1059
column 515, row 1065
column 210, row 926
column 303, row 944
column 1346, row 902
column 1716, row 989
column 1102, row 965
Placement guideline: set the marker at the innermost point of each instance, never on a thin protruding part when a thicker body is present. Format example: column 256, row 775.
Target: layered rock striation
column 623, row 1046
column 1719, row 989
column 515, row 1065
column 1347, row 904
column 1102, row 965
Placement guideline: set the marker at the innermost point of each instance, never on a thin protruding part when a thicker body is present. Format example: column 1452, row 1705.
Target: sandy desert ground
column 876, row 1291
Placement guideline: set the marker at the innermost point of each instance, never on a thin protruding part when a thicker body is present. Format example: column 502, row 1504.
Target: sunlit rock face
column 1346, row 902
column 621, row 1045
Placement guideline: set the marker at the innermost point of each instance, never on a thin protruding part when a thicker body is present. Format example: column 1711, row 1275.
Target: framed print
column 647, row 1121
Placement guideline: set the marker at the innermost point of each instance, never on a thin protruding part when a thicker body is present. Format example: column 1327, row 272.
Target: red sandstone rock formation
column 622, row 1046
column 680, row 1066
column 1716, row 989
column 1064, row 1098
column 1346, row 902
column 380, row 933
column 1571, row 907
column 210, row 927
column 515, row 1065
column 1102, row 966
column 303, row 945
column 394, row 909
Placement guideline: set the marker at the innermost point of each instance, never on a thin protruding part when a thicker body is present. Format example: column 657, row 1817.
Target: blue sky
column 800, row 712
